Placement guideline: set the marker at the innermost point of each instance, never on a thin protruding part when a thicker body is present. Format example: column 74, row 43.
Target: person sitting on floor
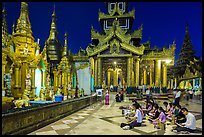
column 180, row 117
column 161, row 118
column 189, row 125
column 117, row 98
column 171, row 111
column 165, row 106
column 148, row 108
column 134, row 121
column 155, row 114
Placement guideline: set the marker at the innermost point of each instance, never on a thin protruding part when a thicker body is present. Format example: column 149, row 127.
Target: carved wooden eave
column 102, row 15
column 121, row 35
column 96, row 35
column 97, row 50
column 162, row 55
column 82, row 66
column 153, row 55
column 137, row 33
column 9, row 54
column 115, row 30
column 80, row 58
column 133, row 49
column 189, row 75
column 114, row 55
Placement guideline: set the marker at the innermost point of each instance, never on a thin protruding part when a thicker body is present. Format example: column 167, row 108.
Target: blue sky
column 162, row 22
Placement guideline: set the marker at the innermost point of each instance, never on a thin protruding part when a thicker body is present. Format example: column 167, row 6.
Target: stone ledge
column 26, row 121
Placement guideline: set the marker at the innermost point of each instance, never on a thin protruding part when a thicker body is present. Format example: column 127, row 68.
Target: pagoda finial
column 186, row 26
column 53, row 30
column 65, row 39
column 13, row 28
column 4, row 27
column 23, row 25
column 53, row 10
column 4, row 23
column 64, row 53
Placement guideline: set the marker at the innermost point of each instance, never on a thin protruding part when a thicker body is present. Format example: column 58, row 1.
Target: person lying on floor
column 133, row 121
column 189, row 125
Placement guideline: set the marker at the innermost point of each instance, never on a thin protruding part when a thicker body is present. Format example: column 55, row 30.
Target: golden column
column 42, row 78
column 150, row 77
column 23, row 76
column 200, row 83
column 62, row 77
column 55, row 80
column 172, row 83
column 129, row 71
column 169, row 83
column 65, row 83
column 17, row 93
column 164, row 81
column 32, row 94
column 68, row 81
column 137, row 72
column 175, row 84
column 133, row 79
column 95, row 73
column 99, row 72
column 4, row 62
column 145, row 76
column 115, row 77
column 69, row 75
column 157, row 73
column 92, row 73
column 193, row 83
column 109, row 74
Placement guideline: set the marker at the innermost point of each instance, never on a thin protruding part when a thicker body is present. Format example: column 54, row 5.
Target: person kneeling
column 134, row 121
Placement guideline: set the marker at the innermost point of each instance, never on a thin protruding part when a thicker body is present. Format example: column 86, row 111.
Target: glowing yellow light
column 115, row 62
column 168, row 61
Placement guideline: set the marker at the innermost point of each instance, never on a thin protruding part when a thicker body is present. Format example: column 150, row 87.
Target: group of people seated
column 135, row 114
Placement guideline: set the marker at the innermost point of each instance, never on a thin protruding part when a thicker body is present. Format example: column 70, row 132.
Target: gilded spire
column 4, row 26
column 23, row 24
column 53, row 30
column 64, row 53
column 4, row 23
column 13, row 28
column 187, row 27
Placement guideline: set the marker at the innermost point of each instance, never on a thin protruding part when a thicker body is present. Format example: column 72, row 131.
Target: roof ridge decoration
column 102, row 15
column 138, row 33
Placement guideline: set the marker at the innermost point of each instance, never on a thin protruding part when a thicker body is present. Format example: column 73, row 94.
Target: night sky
column 163, row 22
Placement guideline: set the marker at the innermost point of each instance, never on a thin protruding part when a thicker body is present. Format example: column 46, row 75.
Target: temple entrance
column 114, row 73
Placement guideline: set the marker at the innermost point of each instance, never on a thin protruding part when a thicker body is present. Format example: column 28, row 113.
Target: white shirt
column 178, row 94
column 138, row 115
column 190, row 121
column 147, row 92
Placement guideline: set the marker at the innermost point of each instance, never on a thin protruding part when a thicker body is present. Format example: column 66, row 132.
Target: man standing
column 177, row 97
column 148, row 94
column 189, row 125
